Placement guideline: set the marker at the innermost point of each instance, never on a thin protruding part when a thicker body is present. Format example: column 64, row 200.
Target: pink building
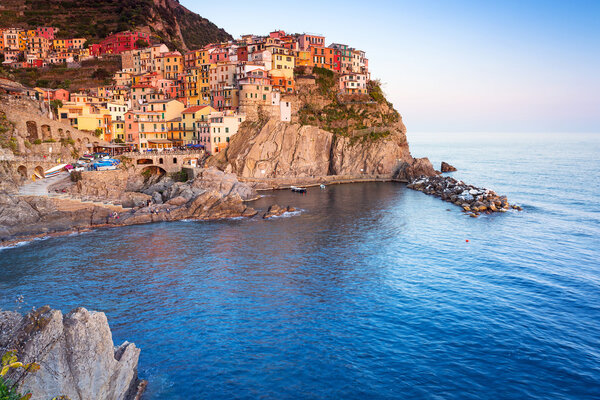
column 306, row 41
column 46, row 32
column 132, row 129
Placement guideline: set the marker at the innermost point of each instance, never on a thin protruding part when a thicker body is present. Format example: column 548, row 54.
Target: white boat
column 298, row 189
column 54, row 170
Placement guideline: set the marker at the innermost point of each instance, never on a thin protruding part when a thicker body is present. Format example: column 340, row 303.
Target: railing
column 157, row 152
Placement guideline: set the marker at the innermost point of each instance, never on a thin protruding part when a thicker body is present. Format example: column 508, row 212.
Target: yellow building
column 190, row 118
column 174, row 132
column 285, row 63
column 59, row 45
column 172, row 65
column 118, row 130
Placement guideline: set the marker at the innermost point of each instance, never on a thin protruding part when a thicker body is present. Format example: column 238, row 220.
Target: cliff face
column 168, row 20
column 278, row 150
column 76, row 354
column 330, row 138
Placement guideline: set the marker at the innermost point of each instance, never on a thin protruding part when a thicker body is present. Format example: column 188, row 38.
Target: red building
column 242, row 53
column 122, row 41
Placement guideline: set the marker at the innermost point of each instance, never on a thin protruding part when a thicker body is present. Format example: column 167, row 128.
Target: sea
column 369, row 291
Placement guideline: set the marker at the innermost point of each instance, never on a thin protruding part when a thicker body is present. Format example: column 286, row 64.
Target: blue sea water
column 372, row 291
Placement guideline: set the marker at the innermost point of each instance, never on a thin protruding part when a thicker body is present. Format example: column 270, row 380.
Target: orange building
column 323, row 57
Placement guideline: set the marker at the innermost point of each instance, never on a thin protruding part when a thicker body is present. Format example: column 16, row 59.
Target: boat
column 54, row 170
column 297, row 189
column 322, row 186
column 105, row 165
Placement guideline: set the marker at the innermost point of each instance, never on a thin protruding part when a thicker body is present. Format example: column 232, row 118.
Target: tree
column 141, row 44
column 55, row 105
column 101, row 73
column 98, row 132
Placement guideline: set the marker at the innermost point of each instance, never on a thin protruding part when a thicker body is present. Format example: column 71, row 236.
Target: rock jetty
column 75, row 352
column 472, row 199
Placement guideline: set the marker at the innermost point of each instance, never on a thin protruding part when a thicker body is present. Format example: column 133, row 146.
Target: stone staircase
column 84, row 200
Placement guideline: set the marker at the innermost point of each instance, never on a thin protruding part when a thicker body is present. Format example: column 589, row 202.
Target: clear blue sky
column 456, row 66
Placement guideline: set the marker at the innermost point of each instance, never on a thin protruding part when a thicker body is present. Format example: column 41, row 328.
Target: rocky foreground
column 472, row 199
column 75, row 352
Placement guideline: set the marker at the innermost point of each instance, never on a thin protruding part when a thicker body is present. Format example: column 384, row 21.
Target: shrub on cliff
column 10, row 362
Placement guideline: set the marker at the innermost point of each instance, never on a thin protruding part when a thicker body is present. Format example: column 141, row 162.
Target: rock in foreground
column 472, row 199
column 76, row 354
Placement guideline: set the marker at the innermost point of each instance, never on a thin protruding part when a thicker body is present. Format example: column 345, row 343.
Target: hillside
column 167, row 20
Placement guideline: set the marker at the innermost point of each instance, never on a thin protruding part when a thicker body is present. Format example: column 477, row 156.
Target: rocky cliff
column 330, row 137
column 75, row 352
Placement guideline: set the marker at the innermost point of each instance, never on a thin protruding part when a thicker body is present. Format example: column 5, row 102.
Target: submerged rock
column 76, row 355
column 276, row 210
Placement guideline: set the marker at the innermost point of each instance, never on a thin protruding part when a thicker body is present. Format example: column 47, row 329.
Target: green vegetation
column 55, row 105
column 67, row 141
column 180, row 176
column 98, row 132
column 61, row 77
column 37, row 141
column 360, row 117
column 9, row 362
column 95, row 19
column 326, row 81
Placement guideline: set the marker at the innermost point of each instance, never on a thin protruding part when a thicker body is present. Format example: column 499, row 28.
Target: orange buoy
column 467, row 240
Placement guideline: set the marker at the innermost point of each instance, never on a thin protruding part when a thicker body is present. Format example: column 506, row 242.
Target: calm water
column 371, row 292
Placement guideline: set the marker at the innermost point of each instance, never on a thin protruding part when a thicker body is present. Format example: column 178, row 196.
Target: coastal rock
column 289, row 153
column 368, row 157
column 445, row 167
column 98, row 198
column 275, row 150
column 76, row 354
column 276, row 210
column 408, row 171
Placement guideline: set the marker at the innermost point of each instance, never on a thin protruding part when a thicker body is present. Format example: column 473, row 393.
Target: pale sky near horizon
column 456, row 66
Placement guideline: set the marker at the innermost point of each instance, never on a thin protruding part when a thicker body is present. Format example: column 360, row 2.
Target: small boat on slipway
column 56, row 170
column 297, row 189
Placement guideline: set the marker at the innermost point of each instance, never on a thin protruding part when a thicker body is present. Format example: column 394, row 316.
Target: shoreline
column 275, row 184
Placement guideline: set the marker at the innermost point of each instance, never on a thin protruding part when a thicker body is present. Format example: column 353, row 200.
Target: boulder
column 417, row 167
column 445, row 167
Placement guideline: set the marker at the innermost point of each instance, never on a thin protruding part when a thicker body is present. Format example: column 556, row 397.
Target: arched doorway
column 22, row 171
column 38, row 172
column 32, row 132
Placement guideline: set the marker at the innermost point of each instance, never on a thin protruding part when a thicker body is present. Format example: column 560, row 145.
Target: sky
column 455, row 66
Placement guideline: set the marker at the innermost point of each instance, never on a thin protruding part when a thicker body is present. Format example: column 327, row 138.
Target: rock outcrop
column 276, row 150
column 445, row 167
column 212, row 194
column 276, row 211
column 329, row 138
column 75, row 352
column 417, row 167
